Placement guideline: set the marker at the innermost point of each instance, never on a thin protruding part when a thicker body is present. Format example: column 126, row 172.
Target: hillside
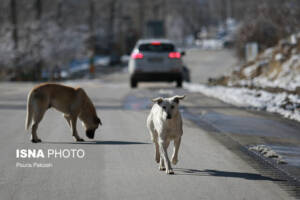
column 271, row 82
column 276, row 69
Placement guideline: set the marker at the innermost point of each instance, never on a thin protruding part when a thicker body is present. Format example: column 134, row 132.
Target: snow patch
column 278, row 57
column 249, row 70
column 268, row 153
column 210, row 44
column 284, row 104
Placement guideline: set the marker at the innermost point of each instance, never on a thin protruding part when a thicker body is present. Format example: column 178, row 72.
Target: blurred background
column 58, row 39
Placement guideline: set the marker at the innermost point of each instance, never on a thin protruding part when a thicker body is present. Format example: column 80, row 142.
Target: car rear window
column 163, row 47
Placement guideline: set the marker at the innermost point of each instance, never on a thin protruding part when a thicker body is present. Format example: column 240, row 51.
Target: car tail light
column 155, row 43
column 137, row 56
column 174, row 55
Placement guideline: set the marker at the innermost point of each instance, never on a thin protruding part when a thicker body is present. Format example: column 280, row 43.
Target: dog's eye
column 172, row 107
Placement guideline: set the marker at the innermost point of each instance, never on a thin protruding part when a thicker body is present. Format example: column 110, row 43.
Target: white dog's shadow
column 218, row 173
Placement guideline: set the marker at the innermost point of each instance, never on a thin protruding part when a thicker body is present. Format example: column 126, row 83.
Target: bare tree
column 14, row 21
column 91, row 16
column 59, row 12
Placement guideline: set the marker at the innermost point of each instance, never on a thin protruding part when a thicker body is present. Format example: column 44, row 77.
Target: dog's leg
column 157, row 154
column 36, row 120
column 162, row 164
column 35, row 138
column 154, row 139
column 74, row 131
column 177, row 142
column 163, row 146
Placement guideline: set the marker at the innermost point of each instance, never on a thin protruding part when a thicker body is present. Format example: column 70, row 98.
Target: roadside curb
column 264, row 165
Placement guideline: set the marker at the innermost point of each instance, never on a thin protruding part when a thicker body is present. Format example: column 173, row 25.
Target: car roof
column 147, row 41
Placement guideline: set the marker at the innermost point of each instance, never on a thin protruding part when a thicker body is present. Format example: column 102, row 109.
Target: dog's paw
column 170, row 171
column 79, row 140
column 174, row 161
column 36, row 140
column 161, row 168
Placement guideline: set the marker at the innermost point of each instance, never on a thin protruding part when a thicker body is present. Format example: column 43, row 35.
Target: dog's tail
column 29, row 111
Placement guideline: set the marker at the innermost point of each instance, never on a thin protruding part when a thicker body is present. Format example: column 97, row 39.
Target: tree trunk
column 111, row 22
column 38, row 69
column 38, row 7
column 59, row 13
column 91, row 16
column 14, row 21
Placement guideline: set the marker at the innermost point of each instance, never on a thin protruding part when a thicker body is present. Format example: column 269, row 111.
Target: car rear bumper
column 155, row 76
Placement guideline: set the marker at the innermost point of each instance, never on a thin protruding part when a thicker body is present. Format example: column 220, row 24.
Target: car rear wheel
column 133, row 83
column 179, row 83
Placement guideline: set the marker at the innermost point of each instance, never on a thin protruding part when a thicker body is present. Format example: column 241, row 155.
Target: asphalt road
column 205, row 64
column 119, row 163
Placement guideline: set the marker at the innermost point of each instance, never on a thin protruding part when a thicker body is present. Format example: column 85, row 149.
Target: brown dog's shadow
column 98, row 142
column 218, row 173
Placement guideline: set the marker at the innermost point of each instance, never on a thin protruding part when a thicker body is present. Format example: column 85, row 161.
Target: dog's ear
column 177, row 98
column 98, row 121
column 157, row 100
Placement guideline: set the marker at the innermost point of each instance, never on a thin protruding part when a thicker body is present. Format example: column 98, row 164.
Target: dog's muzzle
column 169, row 117
column 90, row 133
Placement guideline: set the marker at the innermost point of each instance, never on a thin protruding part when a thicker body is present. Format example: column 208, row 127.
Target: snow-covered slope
column 277, row 67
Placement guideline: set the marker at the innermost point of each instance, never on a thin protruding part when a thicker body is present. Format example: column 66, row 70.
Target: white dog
column 165, row 124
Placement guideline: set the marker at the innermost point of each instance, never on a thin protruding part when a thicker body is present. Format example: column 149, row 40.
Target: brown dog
column 73, row 102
